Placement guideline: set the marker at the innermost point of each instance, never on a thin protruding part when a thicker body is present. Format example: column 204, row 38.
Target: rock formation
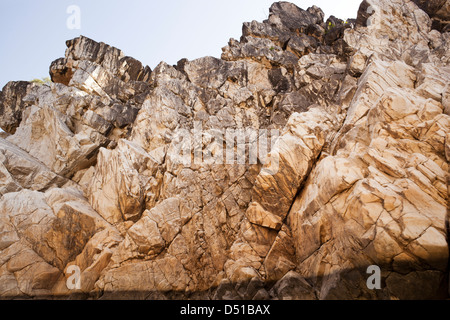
column 121, row 171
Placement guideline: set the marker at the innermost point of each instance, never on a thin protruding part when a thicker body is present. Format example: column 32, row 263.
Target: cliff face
column 126, row 173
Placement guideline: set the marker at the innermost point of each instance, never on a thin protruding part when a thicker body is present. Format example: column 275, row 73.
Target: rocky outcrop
column 12, row 104
column 311, row 150
column 439, row 12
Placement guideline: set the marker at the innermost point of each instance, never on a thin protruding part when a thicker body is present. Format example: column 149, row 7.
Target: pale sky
column 33, row 32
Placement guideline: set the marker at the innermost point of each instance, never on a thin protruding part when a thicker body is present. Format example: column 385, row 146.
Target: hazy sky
column 33, row 32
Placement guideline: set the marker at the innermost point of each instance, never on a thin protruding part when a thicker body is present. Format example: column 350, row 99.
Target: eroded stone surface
column 122, row 171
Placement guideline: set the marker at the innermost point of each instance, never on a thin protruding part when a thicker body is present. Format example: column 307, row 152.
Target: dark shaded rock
column 289, row 102
column 439, row 12
column 334, row 30
column 263, row 30
column 430, row 6
column 317, row 13
column 132, row 69
column 12, row 104
column 254, row 287
column 261, row 50
column 83, row 48
column 363, row 14
column 316, row 31
column 210, row 72
column 181, row 64
column 280, row 81
column 225, row 291
column 96, row 122
column 125, row 114
column 292, row 17
column 60, row 72
column 293, row 287
column 295, row 101
column 301, row 45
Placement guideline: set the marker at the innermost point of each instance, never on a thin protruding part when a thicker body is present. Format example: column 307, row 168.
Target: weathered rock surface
column 439, row 12
column 12, row 104
column 340, row 132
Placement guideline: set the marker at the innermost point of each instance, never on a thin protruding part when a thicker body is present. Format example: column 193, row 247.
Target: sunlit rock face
column 310, row 151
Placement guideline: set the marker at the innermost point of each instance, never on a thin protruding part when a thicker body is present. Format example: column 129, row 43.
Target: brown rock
column 123, row 172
